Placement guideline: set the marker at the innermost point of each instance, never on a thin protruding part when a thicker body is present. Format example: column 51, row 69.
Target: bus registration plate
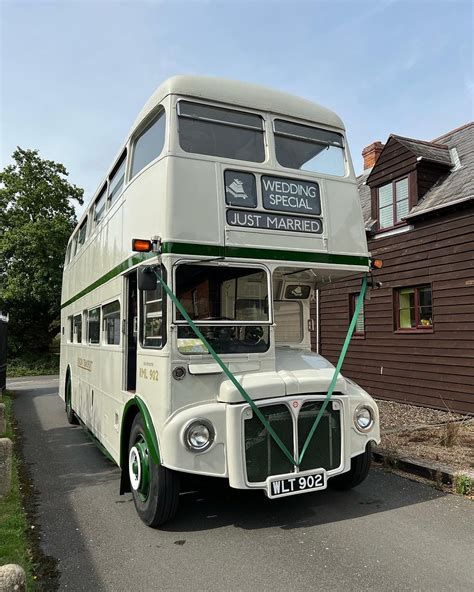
column 296, row 483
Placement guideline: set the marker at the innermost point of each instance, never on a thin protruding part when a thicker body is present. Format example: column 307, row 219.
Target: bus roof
column 241, row 94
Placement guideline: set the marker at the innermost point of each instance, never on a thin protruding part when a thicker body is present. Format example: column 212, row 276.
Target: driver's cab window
column 230, row 305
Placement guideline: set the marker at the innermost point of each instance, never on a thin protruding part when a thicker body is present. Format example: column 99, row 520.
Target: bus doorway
column 132, row 333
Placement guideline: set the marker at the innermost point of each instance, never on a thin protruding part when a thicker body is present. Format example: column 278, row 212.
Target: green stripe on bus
column 220, row 251
column 258, row 253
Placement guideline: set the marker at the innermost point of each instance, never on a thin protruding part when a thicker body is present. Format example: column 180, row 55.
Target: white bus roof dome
column 242, row 94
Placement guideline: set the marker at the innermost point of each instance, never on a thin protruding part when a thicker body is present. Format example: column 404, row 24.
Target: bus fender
column 135, row 405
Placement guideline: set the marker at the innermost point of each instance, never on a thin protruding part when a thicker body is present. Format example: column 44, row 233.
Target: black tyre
column 155, row 488
column 360, row 466
column 71, row 416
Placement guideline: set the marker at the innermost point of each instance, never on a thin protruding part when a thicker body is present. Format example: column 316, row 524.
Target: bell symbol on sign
column 236, row 188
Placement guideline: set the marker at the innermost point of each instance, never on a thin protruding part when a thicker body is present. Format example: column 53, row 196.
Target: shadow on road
column 210, row 503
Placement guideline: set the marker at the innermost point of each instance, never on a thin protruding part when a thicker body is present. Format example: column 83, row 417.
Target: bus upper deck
column 221, row 168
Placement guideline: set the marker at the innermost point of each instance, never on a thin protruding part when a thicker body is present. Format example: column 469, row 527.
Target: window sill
column 358, row 336
column 413, row 331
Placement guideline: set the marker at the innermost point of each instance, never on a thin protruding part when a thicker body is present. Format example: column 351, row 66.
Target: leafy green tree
column 36, row 219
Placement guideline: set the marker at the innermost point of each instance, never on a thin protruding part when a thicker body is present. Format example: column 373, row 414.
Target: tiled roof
column 427, row 150
column 456, row 185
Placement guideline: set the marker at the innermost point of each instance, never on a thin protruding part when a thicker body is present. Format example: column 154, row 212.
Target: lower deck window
column 414, row 308
column 111, row 316
column 152, row 317
column 93, row 325
column 78, row 328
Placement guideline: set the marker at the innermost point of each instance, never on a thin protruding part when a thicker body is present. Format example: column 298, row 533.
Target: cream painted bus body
column 180, row 198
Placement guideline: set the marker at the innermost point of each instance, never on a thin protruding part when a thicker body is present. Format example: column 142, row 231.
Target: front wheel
column 360, row 466
column 155, row 488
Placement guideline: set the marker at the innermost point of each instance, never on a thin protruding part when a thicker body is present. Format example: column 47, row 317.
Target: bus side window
column 78, row 328
column 149, row 144
column 117, row 180
column 152, row 317
column 99, row 207
column 93, row 325
column 71, row 329
column 111, row 316
column 82, row 234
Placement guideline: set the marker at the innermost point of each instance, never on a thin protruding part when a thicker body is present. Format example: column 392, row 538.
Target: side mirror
column 146, row 278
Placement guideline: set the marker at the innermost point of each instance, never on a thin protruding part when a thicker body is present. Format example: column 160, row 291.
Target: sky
column 75, row 74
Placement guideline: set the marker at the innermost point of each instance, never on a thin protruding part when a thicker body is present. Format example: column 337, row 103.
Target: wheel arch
column 133, row 407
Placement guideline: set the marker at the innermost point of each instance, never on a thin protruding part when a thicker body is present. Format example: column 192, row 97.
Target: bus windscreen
column 220, row 299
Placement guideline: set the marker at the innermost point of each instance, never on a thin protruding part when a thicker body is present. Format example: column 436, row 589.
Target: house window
column 359, row 330
column 392, row 203
column 414, row 308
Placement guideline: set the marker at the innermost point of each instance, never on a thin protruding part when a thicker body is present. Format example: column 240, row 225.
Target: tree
column 36, row 219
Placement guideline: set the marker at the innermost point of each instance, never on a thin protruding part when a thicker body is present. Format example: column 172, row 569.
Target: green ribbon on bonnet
column 244, row 393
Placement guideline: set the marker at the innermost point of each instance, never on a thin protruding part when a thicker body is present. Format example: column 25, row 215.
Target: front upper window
column 309, row 148
column 230, row 305
column 214, row 131
column 392, row 203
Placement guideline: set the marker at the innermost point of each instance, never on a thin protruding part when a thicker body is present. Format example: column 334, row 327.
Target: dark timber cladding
column 432, row 367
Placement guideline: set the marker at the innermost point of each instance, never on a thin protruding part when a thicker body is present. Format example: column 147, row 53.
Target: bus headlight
column 199, row 435
column 363, row 418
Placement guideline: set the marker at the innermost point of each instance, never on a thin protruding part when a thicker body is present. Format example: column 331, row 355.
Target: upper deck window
column 214, row 131
column 309, row 148
column 99, row 207
column 117, row 179
column 82, row 234
column 149, row 144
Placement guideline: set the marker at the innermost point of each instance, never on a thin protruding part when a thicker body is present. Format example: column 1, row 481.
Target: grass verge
column 15, row 546
column 33, row 365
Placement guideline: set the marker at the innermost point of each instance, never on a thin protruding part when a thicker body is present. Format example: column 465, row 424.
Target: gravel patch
column 399, row 416
column 416, row 432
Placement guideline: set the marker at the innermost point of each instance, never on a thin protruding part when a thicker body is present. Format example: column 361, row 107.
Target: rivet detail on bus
column 243, row 392
column 220, row 251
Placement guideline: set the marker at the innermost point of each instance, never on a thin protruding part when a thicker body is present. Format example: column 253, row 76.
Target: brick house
column 414, row 341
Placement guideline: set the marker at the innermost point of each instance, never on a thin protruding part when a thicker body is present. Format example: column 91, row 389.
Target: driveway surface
column 387, row 534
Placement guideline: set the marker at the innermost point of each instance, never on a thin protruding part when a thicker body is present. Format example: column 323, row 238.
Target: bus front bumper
column 244, row 452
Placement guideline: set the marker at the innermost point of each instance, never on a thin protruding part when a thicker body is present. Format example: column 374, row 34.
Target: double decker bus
column 190, row 351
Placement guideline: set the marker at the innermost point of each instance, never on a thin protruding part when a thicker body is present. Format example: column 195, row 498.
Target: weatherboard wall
column 431, row 367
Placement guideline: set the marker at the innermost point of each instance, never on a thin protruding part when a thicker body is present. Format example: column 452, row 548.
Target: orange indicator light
column 141, row 245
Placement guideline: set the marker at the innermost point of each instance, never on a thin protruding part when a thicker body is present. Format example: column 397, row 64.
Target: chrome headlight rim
column 199, row 421
column 371, row 411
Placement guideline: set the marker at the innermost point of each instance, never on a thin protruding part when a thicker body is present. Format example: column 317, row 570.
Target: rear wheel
column 360, row 466
column 155, row 488
column 71, row 416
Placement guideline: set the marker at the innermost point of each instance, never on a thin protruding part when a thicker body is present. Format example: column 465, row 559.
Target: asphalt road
column 387, row 534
